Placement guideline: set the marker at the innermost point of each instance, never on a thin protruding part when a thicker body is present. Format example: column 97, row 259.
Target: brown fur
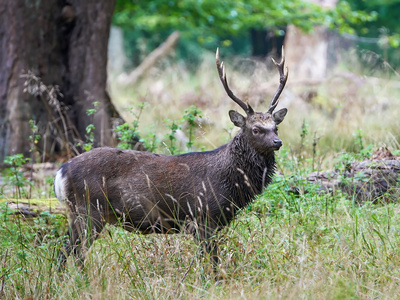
column 197, row 192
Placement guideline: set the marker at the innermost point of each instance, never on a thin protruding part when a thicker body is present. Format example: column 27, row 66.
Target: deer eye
column 256, row 131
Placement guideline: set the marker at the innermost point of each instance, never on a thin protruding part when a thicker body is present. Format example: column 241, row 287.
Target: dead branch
column 163, row 50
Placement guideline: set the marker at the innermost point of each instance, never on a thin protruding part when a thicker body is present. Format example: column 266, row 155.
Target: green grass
column 312, row 246
column 283, row 246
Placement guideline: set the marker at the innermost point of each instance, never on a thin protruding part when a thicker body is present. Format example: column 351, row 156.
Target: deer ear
column 237, row 118
column 279, row 115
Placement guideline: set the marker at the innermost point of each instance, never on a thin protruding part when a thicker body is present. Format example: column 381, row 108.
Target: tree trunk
column 266, row 42
column 65, row 44
column 307, row 54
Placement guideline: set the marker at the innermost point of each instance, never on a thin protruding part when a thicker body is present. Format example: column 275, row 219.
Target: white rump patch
column 60, row 186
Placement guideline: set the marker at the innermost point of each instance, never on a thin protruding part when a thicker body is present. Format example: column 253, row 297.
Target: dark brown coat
column 197, row 192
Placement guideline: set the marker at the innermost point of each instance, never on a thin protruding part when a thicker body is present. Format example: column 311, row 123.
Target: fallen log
column 29, row 210
column 369, row 180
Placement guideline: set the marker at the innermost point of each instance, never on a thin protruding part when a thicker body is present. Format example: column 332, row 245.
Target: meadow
column 304, row 245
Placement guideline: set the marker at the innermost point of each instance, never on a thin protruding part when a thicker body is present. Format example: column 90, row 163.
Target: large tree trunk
column 307, row 54
column 65, row 44
column 266, row 42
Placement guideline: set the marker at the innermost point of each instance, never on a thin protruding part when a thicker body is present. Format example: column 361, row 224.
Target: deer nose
column 277, row 142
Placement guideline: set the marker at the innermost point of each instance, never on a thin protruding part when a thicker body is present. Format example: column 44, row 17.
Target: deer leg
column 82, row 232
column 64, row 252
column 71, row 242
column 204, row 236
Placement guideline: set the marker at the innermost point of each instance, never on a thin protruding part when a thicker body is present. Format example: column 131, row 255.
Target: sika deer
column 197, row 192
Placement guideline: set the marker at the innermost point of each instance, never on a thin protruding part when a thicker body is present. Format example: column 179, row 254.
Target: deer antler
column 222, row 75
column 282, row 80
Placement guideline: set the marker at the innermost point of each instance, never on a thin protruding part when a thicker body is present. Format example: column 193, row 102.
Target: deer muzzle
column 277, row 143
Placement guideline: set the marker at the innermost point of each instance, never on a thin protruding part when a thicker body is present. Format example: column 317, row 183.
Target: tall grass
column 310, row 246
column 285, row 245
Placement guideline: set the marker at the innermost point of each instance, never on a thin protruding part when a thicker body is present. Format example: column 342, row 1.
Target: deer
column 198, row 193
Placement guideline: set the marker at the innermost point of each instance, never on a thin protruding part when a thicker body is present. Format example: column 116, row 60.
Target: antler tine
column 282, row 81
column 222, row 75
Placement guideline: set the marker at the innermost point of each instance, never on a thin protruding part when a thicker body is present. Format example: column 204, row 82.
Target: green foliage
column 27, row 243
column 45, row 226
column 92, row 111
column 209, row 18
column 35, row 137
column 89, row 137
column 381, row 35
column 345, row 18
column 208, row 24
column 190, row 117
column 189, row 123
column 385, row 13
column 266, row 254
column 128, row 133
column 14, row 176
column 16, row 160
column 363, row 152
column 303, row 135
column 343, row 161
column 90, row 128
column 171, row 136
column 152, row 141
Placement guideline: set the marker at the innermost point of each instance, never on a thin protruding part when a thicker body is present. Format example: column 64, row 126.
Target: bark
column 65, row 44
column 265, row 42
column 307, row 54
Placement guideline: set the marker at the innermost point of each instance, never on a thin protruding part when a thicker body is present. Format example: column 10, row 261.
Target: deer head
column 260, row 128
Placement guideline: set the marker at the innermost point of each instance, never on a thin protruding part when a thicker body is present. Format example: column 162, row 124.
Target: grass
column 277, row 248
column 283, row 246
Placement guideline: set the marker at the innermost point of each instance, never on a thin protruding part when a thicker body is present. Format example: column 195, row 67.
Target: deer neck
column 250, row 171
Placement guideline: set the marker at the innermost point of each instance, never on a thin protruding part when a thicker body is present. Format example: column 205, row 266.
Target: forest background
column 65, row 87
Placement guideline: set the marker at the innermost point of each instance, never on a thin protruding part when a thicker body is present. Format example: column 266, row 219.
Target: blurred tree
column 264, row 41
column 307, row 54
column 382, row 35
column 210, row 23
column 65, row 44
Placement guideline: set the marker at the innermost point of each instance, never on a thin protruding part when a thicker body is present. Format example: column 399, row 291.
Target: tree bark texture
column 65, row 44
